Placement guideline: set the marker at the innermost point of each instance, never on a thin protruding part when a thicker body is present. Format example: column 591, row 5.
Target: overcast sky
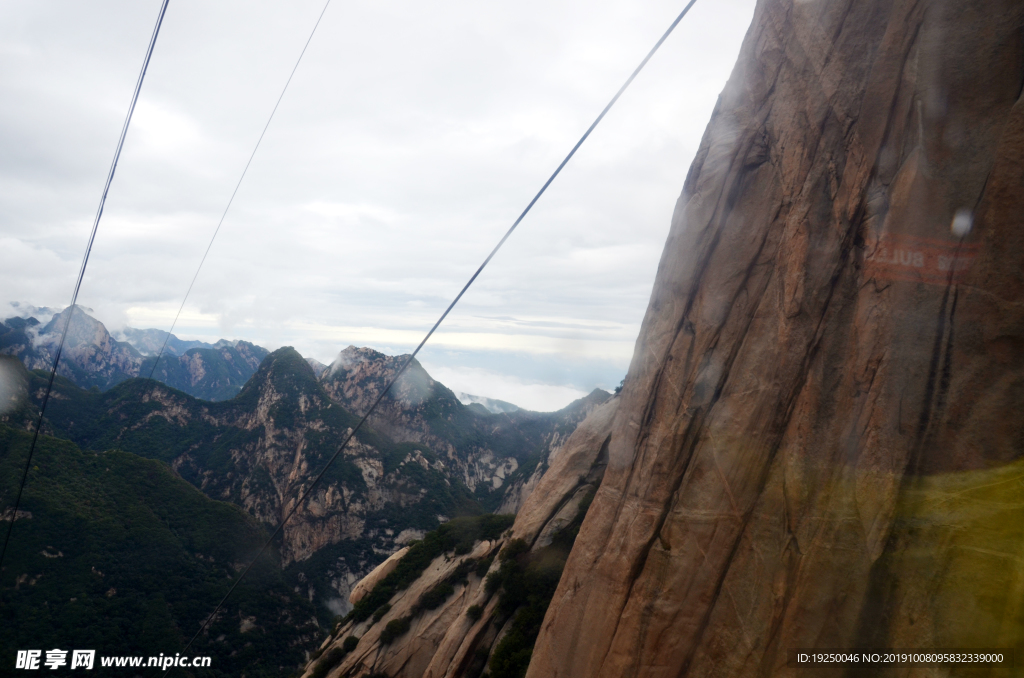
column 411, row 137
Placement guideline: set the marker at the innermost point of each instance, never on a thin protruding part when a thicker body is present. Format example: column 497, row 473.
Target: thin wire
column 444, row 315
column 202, row 261
column 81, row 271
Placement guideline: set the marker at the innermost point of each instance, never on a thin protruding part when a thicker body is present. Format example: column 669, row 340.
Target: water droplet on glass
column 11, row 387
column 962, row 222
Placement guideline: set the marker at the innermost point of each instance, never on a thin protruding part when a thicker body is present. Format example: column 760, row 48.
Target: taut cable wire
column 444, row 315
column 70, row 312
column 202, row 261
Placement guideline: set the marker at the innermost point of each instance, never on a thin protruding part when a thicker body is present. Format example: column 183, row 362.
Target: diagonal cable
column 202, row 261
column 81, row 271
column 444, row 315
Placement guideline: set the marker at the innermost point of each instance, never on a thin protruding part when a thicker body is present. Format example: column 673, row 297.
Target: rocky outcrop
column 573, row 470
column 485, row 448
column 378, row 573
column 91, row 357
column 452, row 640
column 520, row 490
column 820, row 414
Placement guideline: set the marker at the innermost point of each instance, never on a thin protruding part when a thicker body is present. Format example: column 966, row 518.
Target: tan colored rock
column 824, row 365
column 411, row 653
column 367, row 583
column 577, row 463
column 444, row 643
column 518, row 492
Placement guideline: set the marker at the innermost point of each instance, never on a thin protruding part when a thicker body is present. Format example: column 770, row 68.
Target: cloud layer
column 412, row 136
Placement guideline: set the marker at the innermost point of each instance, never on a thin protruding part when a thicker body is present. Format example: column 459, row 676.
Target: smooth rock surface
column 444, row 642
column 367, row 583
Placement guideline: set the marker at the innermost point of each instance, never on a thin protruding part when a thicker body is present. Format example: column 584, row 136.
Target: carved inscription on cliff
column 925, row 260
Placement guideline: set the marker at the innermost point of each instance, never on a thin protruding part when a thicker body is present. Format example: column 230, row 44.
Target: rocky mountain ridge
column 92, row 357
column 150, row 341
column 261, row 448
column 421, row 410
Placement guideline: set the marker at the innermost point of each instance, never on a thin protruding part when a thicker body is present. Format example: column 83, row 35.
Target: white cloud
column 409, row 140
column 164, row 131
column 531, row 396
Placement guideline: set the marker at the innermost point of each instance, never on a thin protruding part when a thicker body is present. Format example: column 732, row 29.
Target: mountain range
column 93, row 357
column 423, row 459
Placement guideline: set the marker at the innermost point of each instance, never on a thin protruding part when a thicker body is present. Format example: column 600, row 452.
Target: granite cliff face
column 460, row 635
column 819, row 441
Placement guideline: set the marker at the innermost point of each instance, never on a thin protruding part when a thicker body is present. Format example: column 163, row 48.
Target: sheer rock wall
column 836, row 327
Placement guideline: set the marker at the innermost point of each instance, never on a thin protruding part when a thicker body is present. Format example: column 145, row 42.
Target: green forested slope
column 261, row 449
column 115, row 553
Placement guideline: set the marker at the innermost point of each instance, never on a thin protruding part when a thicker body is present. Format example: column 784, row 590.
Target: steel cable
column 81, row 273
column 444, row 315
column 163, row 347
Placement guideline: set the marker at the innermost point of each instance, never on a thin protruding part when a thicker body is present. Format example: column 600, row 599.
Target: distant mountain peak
column 93, row 356
column 83, row 329
column 151, row 341
column 284, row 364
